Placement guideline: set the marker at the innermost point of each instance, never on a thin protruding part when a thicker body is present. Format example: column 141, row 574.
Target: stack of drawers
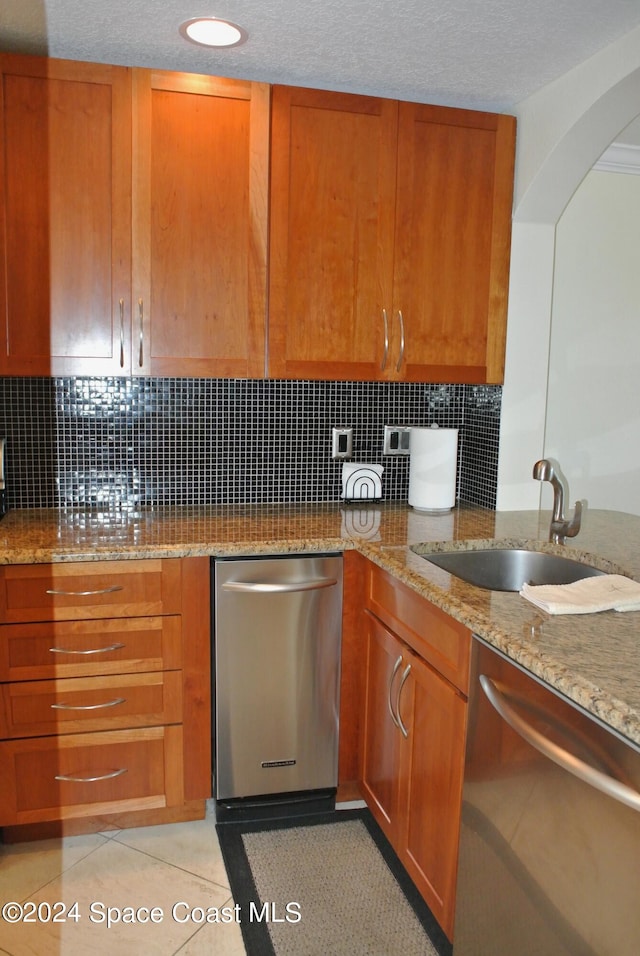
column 92, row 687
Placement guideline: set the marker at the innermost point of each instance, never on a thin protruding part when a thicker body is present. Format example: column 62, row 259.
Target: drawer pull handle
column 67, row 778
column 108, row 703
column 109, row 590
column 91, row 650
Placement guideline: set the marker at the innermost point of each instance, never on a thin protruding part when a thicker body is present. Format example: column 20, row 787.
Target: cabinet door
column 381, row 737
column 200, row 225
column 332, row 195
column 452, row 242
column 65, row 209
column 432, row 771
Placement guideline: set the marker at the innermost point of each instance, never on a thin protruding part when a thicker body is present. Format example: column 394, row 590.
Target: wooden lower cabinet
column 412, row 758
column 431, row 779
column 48, row 778
column 105, row 700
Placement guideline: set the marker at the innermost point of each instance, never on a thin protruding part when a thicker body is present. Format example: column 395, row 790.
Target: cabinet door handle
column 109, row 590
column 108, row 703
column 141, row 319
column 385, row 355
column 396, row 667
column 401, row 356
column 68, row 778
column 403, row 680
column 91, row 650
column 121, row 333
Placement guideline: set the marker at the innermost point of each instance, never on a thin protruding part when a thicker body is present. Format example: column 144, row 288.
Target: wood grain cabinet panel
column 389, row 239
column 452, row 242
column 65, row 209
column 134, row 215
column 105, row 695
column 381, row 740
column 46, row 778
column 431, row 633
column 431, row 784
column 36, row 708
column 413, row 739
column 81, row 648
column 331, row 233
column 200, row 164
column 89, row 590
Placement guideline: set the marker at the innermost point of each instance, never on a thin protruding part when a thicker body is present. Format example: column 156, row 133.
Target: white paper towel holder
column 432, row 478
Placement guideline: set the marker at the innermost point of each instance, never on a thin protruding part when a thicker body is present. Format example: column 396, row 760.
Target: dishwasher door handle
column 574, row 765
column 264, row 587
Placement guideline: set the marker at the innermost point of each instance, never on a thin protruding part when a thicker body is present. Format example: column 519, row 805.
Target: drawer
column 90, row 589
column 84, row 648
column 434, row 635
column 39, row 708
column 48, row 778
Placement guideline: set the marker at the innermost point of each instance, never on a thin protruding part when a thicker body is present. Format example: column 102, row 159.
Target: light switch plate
column 342, row 443
column 396, row 439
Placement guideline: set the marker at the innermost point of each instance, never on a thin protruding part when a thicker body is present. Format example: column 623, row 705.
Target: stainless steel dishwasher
column 277, row 628
column 550, row 839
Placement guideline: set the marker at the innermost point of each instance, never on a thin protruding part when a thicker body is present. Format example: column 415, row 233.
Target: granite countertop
column 592, row 659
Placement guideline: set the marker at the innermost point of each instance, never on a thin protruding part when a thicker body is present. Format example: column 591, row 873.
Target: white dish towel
column 602, row 593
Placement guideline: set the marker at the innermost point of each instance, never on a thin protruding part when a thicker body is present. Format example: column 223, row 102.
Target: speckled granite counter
column 593, row 659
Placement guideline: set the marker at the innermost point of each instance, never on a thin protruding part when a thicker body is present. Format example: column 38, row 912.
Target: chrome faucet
column 548, row 469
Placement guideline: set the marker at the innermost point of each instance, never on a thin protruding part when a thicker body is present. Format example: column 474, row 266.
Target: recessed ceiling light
column 210, row 31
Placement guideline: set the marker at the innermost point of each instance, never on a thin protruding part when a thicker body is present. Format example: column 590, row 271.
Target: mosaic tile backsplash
column 129, row 443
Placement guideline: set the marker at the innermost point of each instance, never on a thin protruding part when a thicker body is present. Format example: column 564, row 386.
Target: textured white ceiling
column 487, row 54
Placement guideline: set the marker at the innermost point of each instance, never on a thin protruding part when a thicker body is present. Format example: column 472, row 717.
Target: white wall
column 562, row 130
column 593, row 405
column 524, row 395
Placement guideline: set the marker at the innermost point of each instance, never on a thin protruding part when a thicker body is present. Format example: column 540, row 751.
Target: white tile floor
column 125, row 870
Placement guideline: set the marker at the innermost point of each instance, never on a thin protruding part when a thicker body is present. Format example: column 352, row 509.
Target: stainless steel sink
column 507, row 569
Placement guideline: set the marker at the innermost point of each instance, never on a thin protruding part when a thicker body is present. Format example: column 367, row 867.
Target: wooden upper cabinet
column 200, row 161
column 389, row 239
column 136, row 207
column 333, row 159
column 134, row 221
column 65, row 175
column 452, row 242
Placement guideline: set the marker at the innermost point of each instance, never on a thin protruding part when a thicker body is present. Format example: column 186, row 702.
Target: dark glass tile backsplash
column 126, row 443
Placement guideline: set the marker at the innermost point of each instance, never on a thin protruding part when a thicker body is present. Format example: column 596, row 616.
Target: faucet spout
column 548, row 469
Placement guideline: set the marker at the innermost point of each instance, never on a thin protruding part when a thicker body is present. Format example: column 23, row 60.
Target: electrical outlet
column 396, row 439
column 342, row 443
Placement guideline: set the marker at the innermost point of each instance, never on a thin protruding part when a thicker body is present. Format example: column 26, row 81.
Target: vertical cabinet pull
column 385, row 355
column 401, row 355
column 396, row 667
column 141, row 321
column 403, row 680
column 121, row 333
